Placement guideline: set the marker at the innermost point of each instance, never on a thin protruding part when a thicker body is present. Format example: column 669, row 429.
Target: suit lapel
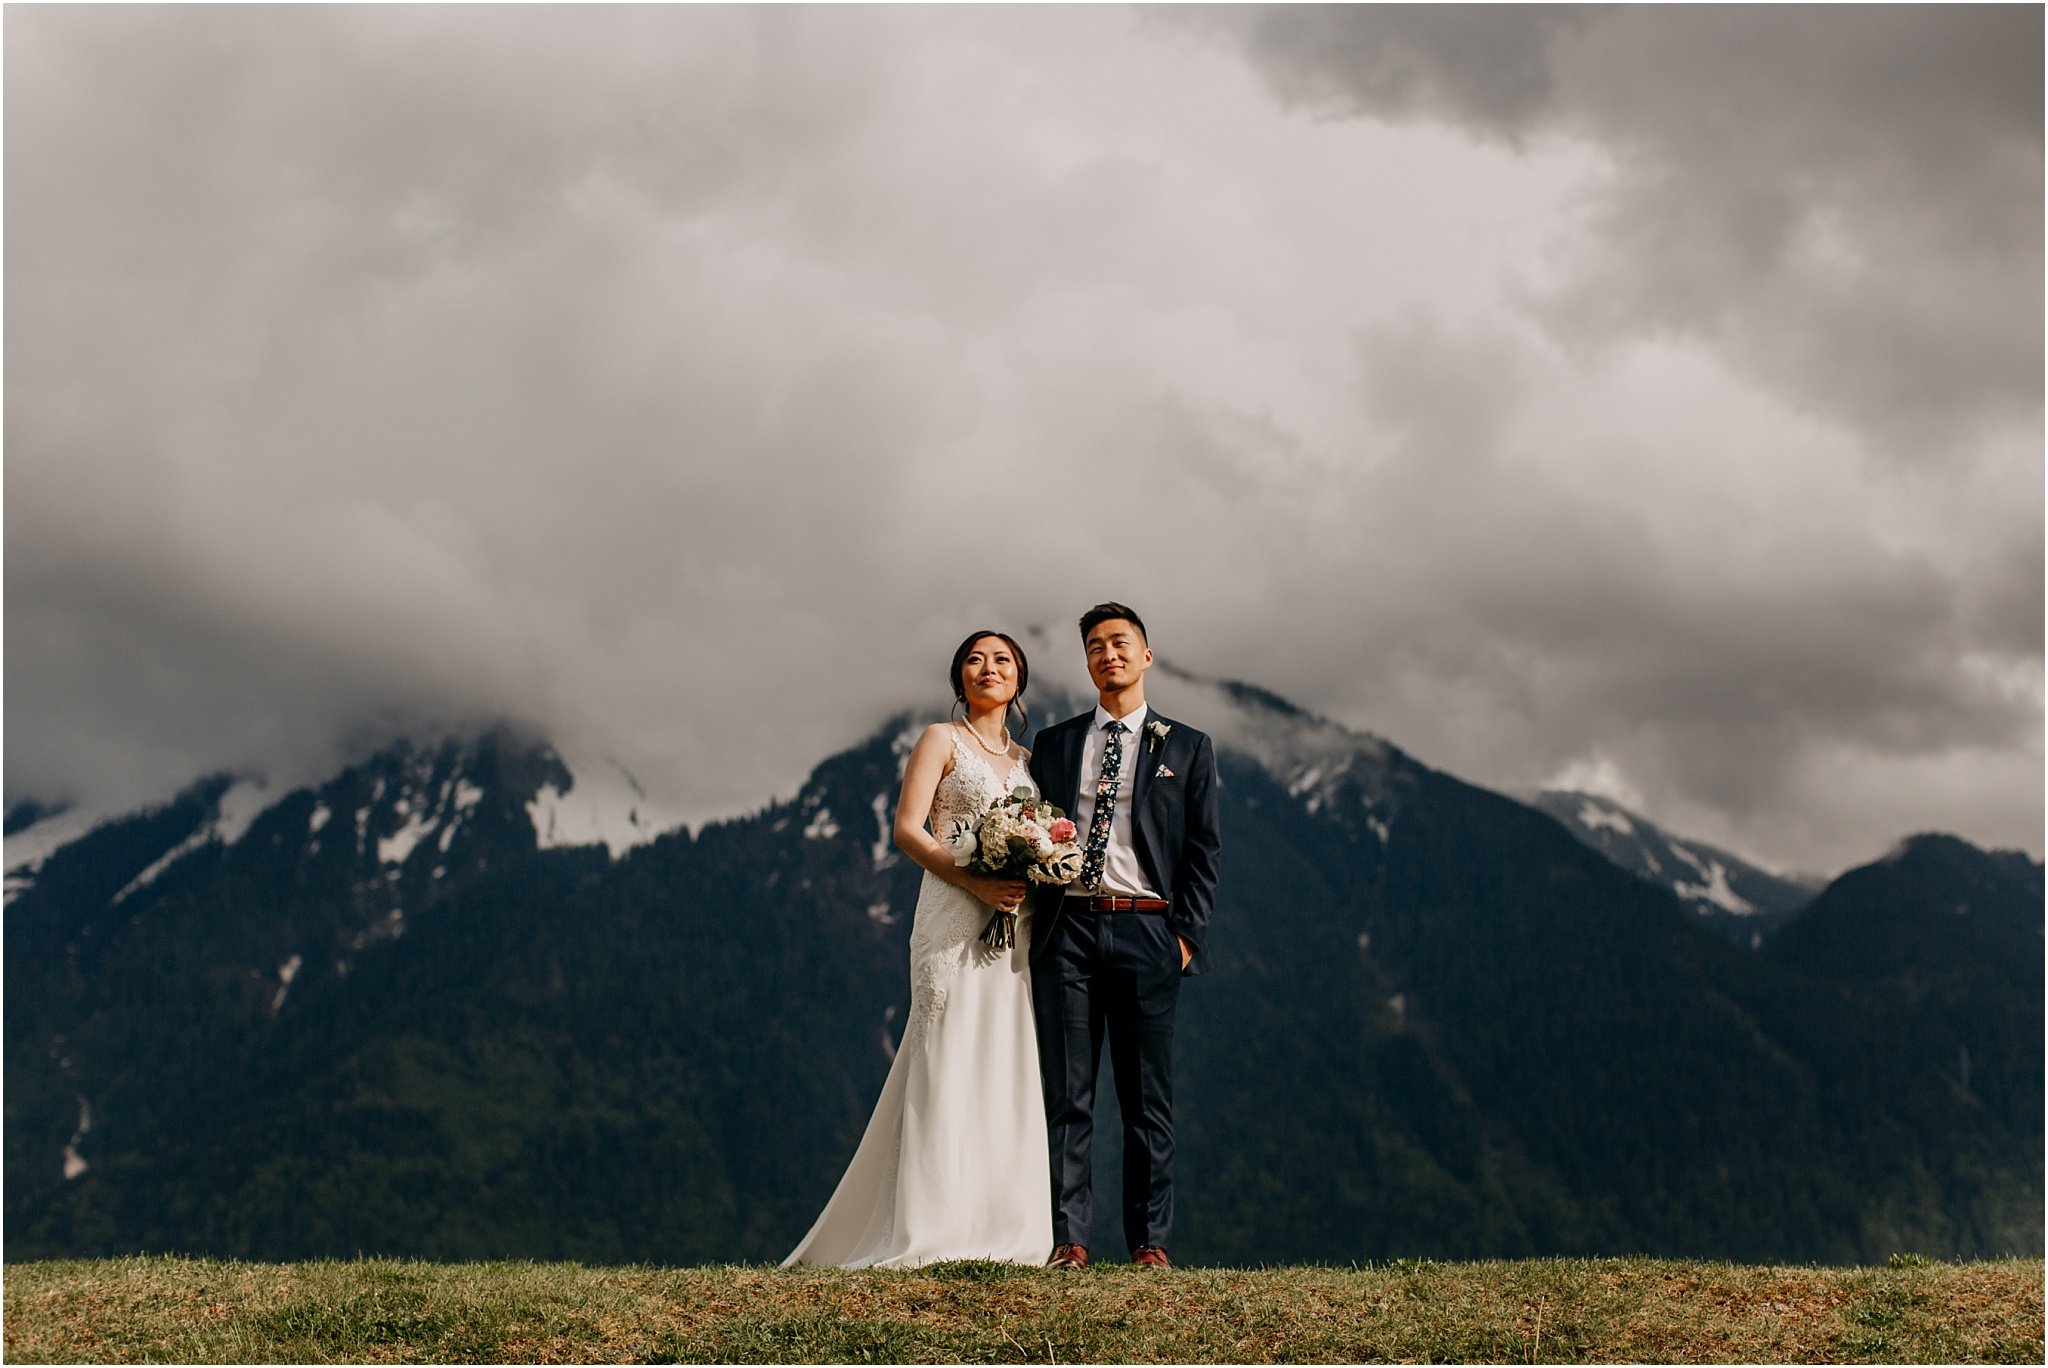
column 1139, row 766
column 1142, row 835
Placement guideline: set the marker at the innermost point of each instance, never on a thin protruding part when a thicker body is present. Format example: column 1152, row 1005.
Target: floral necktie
column 1106, row 789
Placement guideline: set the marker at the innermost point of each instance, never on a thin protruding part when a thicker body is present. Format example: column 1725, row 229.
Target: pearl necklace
column 985, row 745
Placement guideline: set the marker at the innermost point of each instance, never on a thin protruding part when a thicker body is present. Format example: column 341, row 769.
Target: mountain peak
column 405, row 792
column 1932, row 902
column 1317, row 760
column 1942, row 848
column 1736, row 897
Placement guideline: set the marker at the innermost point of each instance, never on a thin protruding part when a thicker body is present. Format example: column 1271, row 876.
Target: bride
column 953, row 1164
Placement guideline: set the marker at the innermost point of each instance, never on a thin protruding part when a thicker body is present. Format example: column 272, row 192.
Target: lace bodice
column 944, row 930
column 973, row 784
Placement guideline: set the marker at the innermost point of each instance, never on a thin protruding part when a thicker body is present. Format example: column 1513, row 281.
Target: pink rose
column 1062, row 830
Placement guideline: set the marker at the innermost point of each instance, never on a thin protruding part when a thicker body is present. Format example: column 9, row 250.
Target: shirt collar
column 1135, row 721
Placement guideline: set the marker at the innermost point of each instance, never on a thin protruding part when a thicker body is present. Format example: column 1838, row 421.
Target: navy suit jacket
column 1171, row 789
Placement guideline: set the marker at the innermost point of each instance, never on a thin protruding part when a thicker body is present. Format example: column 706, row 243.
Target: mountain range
column 459, row 1001
column 1742, row 901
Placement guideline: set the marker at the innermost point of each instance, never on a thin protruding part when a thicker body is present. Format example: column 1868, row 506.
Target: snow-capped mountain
column 423, row 794
column 1735, row 897
column 1354, row 777
column 417, row 800
column 35, row 832
column 1322, row 764
column 228, row 805
column 468, row 999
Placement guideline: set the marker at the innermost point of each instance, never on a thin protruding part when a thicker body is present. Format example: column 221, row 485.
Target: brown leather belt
column 1104, row 904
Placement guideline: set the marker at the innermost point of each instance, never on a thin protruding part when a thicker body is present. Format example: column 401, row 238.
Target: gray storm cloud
column 1844, row 200
column 685, row 380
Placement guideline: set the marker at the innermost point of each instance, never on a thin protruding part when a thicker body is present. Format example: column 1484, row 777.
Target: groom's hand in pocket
column 1187, row 952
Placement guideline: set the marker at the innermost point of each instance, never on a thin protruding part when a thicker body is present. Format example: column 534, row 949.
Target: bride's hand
column 1005, row 895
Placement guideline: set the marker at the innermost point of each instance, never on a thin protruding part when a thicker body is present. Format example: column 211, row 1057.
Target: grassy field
column 1537, row 1311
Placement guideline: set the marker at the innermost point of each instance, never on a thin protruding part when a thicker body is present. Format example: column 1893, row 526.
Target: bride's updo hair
column 1023, row 674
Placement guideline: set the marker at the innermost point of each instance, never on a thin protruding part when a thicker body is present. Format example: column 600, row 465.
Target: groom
column 1109, row 950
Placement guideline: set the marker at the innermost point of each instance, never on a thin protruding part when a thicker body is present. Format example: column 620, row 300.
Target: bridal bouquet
column 1020, row 836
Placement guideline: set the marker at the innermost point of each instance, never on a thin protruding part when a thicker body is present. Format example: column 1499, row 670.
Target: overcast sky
column 1642, row 399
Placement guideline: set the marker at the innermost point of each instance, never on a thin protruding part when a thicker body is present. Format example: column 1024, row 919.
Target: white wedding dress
column 953, row 1164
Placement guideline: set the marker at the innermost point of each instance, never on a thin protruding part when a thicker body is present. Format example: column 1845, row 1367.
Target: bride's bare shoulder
column 936, row 740
column 936, row 732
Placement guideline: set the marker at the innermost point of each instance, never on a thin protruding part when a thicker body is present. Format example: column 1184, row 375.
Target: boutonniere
column 1157, row 730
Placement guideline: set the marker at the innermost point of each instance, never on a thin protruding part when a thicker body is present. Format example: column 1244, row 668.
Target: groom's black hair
column 1023, row 671
column 1104, row 612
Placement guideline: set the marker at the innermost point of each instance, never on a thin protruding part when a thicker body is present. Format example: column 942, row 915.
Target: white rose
column 959, row 840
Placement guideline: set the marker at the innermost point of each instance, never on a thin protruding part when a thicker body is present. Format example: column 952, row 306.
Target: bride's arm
column 921, row 777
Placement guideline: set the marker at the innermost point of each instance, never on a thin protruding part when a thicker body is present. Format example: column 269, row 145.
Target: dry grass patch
column 1543, row 1310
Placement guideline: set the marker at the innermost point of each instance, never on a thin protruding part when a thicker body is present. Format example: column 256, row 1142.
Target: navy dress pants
column 1114, row 974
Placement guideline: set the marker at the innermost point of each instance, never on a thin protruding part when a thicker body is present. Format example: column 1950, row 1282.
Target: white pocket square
column 1162, row 773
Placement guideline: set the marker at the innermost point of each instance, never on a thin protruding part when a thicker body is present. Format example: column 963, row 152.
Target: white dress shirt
column 1121, row 873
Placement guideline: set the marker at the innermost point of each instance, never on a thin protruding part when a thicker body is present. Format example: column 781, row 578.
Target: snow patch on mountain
column 388, row 927
column 164, row 861
column 245, row 800
column 394, row 848
column 1714, row 885
column 1313, row 757
column 286, row 972
column 822, row 827
column 237, row 808
column 26, row 849
column 1592, row 815
column 603, row 805
column 883, row 853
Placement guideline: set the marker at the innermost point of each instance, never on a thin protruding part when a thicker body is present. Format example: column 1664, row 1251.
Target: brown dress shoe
column 1151, row 1256
column 1068, row 1256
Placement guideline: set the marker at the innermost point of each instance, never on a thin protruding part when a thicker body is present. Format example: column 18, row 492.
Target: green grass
column 1540, row 1310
